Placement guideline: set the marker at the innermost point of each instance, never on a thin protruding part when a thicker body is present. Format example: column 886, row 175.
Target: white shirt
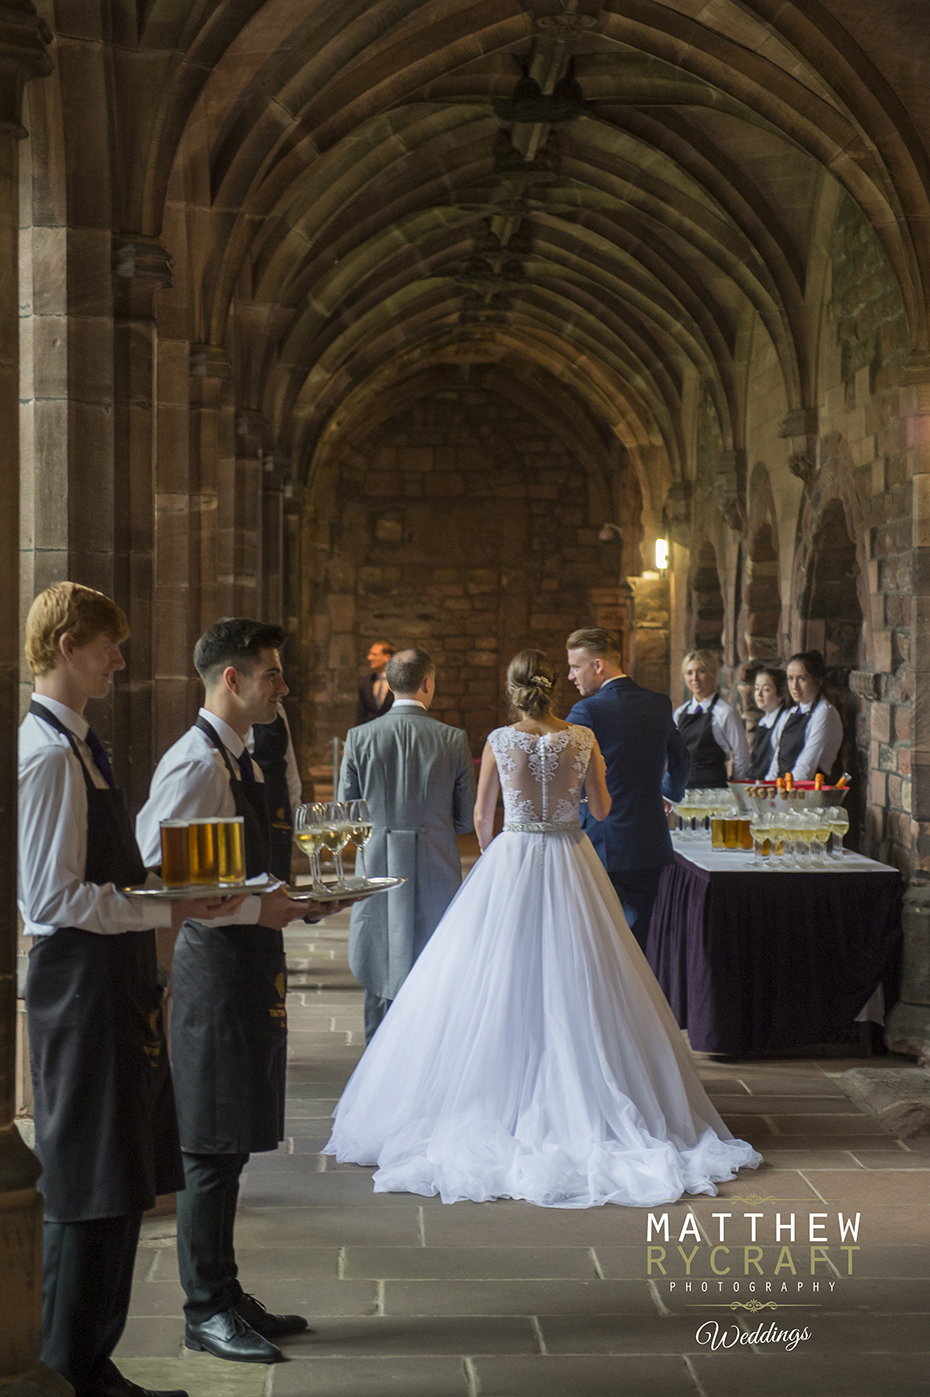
column 726, row 728
column 53, row 836
column 822, row 740
column 191, row 782
column 409, row 703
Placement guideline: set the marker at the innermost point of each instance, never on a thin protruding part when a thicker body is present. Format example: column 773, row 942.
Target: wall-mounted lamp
column 662, row 554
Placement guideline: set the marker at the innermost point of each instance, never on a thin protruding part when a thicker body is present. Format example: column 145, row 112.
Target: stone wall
column 463, row 526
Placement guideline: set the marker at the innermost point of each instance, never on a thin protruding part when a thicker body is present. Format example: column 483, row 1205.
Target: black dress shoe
column 227, row 1336
column 272, row 1326
column 113, row 1384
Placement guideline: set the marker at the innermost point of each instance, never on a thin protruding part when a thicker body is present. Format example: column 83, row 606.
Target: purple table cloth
column 758, row 962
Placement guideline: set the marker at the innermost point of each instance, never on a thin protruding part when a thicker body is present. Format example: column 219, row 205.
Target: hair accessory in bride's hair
column 540, row 681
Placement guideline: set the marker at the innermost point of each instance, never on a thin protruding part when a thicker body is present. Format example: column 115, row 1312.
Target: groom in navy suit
column 647, row 764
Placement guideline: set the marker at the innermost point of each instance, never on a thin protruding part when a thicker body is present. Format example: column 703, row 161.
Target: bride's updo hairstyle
column 531, row 680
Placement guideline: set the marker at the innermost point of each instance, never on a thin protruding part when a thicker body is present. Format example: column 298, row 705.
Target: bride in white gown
column 530, row 1052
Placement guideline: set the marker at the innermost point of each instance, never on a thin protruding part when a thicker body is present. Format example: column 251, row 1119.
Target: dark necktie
column 100, row 757
column 245, row 765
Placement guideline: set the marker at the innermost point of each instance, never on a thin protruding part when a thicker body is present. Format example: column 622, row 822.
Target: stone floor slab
column 466, row 1263
column 908, row 1187
column 487, row 1297
column 598, row 1376
column 200, row 1373
column 398, row 1225
column 805, row 1374
column 390, row 1335
column 366, row 1377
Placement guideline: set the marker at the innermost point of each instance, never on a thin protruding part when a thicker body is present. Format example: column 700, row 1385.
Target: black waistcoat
column 762, row 749
column 228, row 1018
column 106, row 1132
column 708, row 759
column 793, row 737
column 271, row 754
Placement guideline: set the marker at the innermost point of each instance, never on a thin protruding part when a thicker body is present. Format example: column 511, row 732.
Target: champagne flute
column 308, row 836
column 336, row 834
column 821, row 836
column 839, row 824
column 758, row 828
column 360, row 821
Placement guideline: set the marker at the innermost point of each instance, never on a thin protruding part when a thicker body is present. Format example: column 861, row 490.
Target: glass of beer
column 202, row 850
column 175, row 858
column 230, row 839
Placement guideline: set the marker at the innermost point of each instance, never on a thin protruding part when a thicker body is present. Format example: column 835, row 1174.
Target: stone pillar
column 908, row 1027
column 23, row 37
column 211, row 483
column 141, row 267
column 247, row 516
column 272, row 542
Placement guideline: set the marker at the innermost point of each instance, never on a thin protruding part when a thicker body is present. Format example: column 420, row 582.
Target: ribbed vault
column 604, row 198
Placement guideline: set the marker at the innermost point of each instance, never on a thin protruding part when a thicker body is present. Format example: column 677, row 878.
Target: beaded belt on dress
column 542, row 827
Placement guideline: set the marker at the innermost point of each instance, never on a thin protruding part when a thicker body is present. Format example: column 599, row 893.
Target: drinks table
column 756, row 961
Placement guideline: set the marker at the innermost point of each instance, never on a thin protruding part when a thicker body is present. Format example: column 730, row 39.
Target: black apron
column 271, row 754
column 762, row 749
column 106, row 1131
column 793, row 736
column 228, row 1015
column 708, row 759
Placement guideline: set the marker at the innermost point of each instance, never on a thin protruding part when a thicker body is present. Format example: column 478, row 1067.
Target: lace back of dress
column 541, row 776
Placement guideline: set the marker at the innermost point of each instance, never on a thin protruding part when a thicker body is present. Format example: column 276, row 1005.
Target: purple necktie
column 245, row 765
column 100, row 756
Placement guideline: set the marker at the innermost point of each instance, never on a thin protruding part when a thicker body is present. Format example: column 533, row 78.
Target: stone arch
column 707, row 601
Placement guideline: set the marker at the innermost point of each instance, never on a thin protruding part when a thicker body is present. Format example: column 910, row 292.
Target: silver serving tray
column 358, row 888
column 194, row 891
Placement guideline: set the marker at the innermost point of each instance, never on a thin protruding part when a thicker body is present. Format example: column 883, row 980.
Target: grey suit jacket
column 418, row 777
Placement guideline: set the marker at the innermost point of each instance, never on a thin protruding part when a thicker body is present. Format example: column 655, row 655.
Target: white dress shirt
column 822, row 740
column 409, row 703
column 191, row 782
column 727, row 730
column 53, row 836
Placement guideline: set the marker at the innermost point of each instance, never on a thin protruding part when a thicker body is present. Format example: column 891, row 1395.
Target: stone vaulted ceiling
column 598, row 203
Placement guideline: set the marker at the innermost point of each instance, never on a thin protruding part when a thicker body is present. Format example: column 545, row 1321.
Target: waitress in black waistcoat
column 771, row 696
column 106, row 1131
column 229, row 981
column 712, row 730
column 812, row 734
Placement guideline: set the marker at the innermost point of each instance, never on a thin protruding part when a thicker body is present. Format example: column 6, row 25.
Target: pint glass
column 202, row 842
column 175, row 859
column 231, row 849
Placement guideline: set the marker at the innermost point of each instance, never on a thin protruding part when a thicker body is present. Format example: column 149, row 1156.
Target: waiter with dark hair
column 106, row 1133
column 228, row 1022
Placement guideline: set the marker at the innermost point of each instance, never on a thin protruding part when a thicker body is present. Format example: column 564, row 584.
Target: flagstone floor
column 411, row 1297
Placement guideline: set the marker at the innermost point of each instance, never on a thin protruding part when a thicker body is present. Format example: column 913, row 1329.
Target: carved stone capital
column 209, row 361
column 141, row 267
column 800, row 422
column 802, row 465
column 678, row 512
column 23, row 56
column 865, row 685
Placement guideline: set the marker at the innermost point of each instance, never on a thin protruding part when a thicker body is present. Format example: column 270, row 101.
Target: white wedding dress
column 530, row 1052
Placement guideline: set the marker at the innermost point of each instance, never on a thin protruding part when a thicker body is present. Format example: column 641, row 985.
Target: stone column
column 247, row 514
column 23, row 37
column 141, row 267
column 908, row 1027
column 211, row 484
column 272, row 542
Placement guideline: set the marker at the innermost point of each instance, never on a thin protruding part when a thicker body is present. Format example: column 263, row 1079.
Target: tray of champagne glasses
column 354, row 890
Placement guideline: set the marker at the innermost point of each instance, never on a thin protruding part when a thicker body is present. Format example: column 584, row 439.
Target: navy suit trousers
column 637, row 889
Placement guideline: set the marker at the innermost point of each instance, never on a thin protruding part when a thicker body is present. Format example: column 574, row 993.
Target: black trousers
column 637, row 889
column 375, row 1010
column 206, row 1219
column 86, row 1285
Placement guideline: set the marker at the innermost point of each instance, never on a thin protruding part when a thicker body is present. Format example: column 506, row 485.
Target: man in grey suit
column 418, row 777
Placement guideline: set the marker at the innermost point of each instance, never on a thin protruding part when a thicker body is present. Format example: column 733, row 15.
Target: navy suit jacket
column 367, row 707
column 646, row 759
